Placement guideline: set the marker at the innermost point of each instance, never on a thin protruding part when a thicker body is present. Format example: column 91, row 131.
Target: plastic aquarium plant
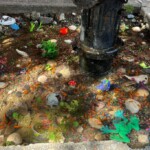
column 32, row 26
column 50, row 49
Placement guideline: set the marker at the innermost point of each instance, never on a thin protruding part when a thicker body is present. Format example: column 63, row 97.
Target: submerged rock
column 132, row 105
column 15, row 138
column 95, row 123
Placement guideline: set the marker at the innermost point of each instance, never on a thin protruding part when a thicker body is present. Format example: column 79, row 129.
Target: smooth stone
column 72, row 27
column 80, row 129
column 132, row 105
column 136, row 29
column 143, row 43
column 42, row 79
column 95, row 123
column 142, row 92
column 15, row 138
column 143, row 138
column 1, row 139
column 68, row 41
column 62, row 17
column 53, row 40
column 130, row 16
column 46, row 20
column 100, row 105
column 3, row 85
column 98, row 137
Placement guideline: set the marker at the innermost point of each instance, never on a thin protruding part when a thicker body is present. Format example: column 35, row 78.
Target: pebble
column 143, row 43
column 142, row 93
column 25, row 121
column 46, row 20
column 132, row 105
column 136, row 29
column 121, row 71
column 130, row 16
column 15, row 138
column 38, row 45
column 1, row 139
column 68, row 41
column 18, row 65
column 3, row 85
column 62, row 17
column 100, row 105
column 52, row 100
column 95, row 123
column 80, row 129
column 42, row 79
column 143, row 138
column 53, row 40
column 72, row 27
column 98, row 137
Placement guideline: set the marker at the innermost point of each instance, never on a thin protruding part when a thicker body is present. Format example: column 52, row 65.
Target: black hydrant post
column 100, row 23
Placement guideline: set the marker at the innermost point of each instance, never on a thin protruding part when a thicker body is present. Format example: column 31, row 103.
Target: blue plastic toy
column 104, row 86
column 15, row 27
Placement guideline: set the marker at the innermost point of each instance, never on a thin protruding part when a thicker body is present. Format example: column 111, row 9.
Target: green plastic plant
column 40, row 26
column 129, row 9
column 32, row 26
column 15, row 116
column 50, row 48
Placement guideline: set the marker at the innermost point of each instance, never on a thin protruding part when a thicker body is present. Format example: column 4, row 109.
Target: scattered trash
column 104, row 85
column 22, row 53
column 63, row 31
column 138, row 79
column 15, row 27
column 144, row 66
column 72, row 84
column 123, row 128
column 6, row 20
column 53, row 99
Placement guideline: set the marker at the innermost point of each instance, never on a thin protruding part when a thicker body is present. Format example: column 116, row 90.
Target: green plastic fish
column 144, row 66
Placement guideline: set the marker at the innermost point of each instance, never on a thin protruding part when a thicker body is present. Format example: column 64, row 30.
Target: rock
column 143, row 137
column 98, row 137
column 53, row 40
column 80, row 129
column 46, row 20
column 15, row 138
column 42, row 79
column 52, row 100
column 60, row 120
column 38, row 45
column 1, row 140
column 100, row 105
column 136, row 29
column 68, row 41
column 3, row 85
column 64, row 70
column 72, row 27
column 95, row 123
column 25, row 121
column 130, row 16
column 143, row 43
column 9, row 130
column 142, row 92
column 132, row 105
column 62, row 17
column 35, row 15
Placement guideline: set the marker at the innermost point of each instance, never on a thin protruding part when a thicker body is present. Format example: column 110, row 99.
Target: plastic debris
column 15, row 27
column 123, row 127
column 22, row 53
column 63, row 31
column 104, row 85
column 53, row 99
column 138, row 79
column 6, row 20
column 72, row 83
column 144, row 66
